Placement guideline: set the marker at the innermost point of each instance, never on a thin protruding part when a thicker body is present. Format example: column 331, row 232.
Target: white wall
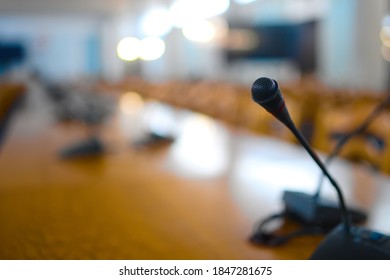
column 59, row 48
column 350, row 48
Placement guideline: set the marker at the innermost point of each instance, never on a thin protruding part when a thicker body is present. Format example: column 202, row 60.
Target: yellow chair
column 9, row 96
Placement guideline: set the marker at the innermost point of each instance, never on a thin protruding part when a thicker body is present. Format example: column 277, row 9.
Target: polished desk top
column 146, row 204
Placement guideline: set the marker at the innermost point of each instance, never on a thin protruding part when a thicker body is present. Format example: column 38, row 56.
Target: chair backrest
column 10, row 94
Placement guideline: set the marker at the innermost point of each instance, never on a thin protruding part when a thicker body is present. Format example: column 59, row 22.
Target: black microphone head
column 263, row 89
column 266, row 93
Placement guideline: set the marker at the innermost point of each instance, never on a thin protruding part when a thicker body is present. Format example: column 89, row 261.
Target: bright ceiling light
column 152, row 48
column 184, row 11
column 199, row 31
column 156, row 22
column 128, row 48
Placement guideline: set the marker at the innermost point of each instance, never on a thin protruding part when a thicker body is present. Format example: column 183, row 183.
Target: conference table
column 197, row 197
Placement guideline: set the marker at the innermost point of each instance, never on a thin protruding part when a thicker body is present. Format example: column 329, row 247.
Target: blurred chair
column 10, row 95
column 378, row 144
column 218, row 100
column 225, row 107
column 81, row 104
column 370, row 146
column 322, row 114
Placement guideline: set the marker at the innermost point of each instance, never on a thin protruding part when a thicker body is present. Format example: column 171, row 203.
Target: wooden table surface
column 131, row 204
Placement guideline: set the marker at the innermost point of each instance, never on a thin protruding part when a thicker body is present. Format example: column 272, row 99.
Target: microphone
column 345, row 241
column 358, row 130
column 314, row 210
column 317, row 215
column 267, row 94
column 327, row 211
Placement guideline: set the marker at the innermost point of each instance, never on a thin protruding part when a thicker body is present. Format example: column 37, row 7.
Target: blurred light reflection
column 130, row 115
column 160, row 119
column 202, row 148
column 266, row 167
column 131, row 103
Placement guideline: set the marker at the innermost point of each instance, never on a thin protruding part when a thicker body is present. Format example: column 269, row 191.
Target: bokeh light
column 128, row 48
column 199, row 31
column 131, row 103
column 156, row 22
column 152, row 48
column 185, row 11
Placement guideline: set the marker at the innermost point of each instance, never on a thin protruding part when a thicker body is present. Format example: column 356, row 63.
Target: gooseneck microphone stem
column 267, row 94
column 358, row 130
column 315, row 157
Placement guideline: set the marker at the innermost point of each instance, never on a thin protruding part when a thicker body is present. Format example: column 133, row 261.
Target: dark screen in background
column 295, row 42
column 10, row 54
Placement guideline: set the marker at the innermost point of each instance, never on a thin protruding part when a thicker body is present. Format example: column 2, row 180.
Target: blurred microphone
column 345, row 241
column 267, row 94
column 315, row 210
column 346, row 137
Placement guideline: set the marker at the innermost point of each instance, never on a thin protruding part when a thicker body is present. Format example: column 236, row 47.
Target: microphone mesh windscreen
column 265, row 92
column 264, row 89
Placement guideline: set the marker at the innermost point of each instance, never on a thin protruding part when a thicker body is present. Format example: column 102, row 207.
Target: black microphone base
column 320, row 212
column 315, row 216
column 90, row 147
column 359, row 244
column 152, row 140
